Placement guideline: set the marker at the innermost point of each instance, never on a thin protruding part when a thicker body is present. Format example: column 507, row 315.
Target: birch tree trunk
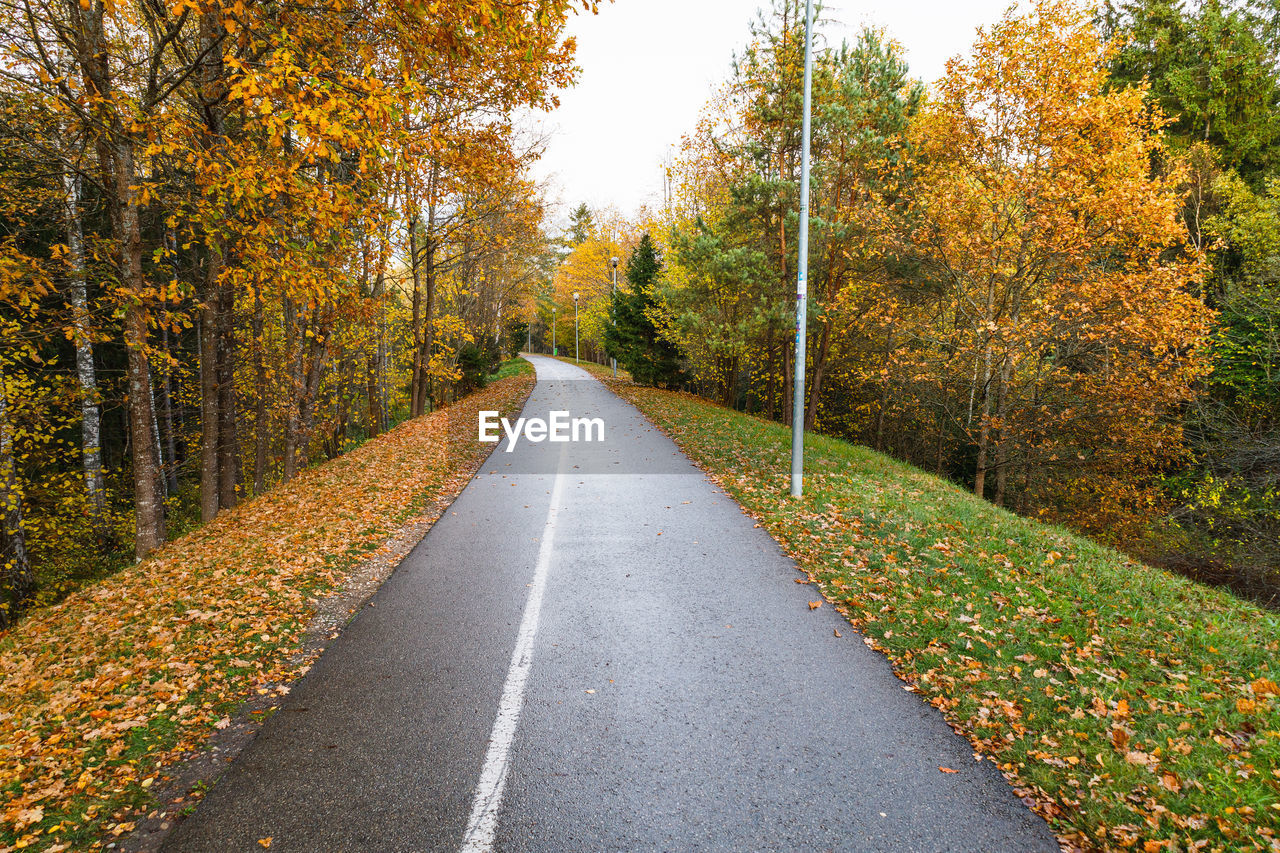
column 115, row 146
column 91, row 420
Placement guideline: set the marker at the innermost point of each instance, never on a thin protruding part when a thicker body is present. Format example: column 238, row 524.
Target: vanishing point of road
column 594, row 649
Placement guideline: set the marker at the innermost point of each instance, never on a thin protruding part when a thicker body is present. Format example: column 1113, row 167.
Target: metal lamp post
column 613, row 310
column 554, row 350
column 802, row 273
column 575, row 327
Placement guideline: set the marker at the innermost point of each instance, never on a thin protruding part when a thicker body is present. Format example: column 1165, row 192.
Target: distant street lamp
column 575, row 327
column 613, row 311
column 554, row 350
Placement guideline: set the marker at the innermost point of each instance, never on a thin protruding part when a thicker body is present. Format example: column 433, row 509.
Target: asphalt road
column 594, row 649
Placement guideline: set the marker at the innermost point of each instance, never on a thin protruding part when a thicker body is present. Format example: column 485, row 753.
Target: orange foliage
column 99, row 692
column 1063, row 328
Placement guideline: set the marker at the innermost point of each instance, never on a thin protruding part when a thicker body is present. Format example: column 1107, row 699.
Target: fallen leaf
column 948, row 770
column 814, row 605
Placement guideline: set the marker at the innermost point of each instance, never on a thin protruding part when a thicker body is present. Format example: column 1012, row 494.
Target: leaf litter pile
column 1132, row 709
column 100, row 692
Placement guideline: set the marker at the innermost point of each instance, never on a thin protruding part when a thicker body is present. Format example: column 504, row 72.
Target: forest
column 238, row 238
column 1050, row 276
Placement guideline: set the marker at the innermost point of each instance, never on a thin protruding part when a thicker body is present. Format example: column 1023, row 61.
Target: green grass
column 1136, row 709
column 597, row 370
column 511, row 367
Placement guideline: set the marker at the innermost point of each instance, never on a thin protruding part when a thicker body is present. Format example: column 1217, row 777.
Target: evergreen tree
column 635, row 341
column 580, row 225
column 1212, row 73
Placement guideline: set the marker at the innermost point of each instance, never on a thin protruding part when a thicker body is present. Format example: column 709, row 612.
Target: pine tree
column 635, row 340
column 1210, row 70
column 581, row 223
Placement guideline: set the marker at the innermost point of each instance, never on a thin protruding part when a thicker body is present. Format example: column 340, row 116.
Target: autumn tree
column 741, row 171
column 587, row 270
column 233, row 189
column 1064, row 331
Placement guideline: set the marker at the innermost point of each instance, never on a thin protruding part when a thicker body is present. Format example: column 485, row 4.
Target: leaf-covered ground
column 1131, row 708
column 100, row 692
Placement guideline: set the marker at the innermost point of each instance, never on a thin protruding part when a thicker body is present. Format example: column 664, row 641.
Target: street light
column 802, row 273
column 613, row 310
column 575, row 327
column 554, row 350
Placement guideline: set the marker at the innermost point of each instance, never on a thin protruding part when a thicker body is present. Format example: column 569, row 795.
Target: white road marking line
column 493, row 777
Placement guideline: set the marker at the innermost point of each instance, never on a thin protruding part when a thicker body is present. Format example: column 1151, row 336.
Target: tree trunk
column 771, row 384
column 788, row 376
column 426, row 395
column 941, row 448
column 729, row 384
column 293, row 347
column 228, row 440
column 161, row 479
column 376, row 367
column 318, row 354
column 148, row 506
column 415, row 270
column 1002, row 436
column 91, row 420
column 114, row 143
column 166, row 387
column 884, row 397
column 209, row 398
column 984, row 425
column 261, row 425
column 819, row 368
column 170, row 443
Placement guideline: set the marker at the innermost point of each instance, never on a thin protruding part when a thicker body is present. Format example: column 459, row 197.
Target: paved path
column 594, row 649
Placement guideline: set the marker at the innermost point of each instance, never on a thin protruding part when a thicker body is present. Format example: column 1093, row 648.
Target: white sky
column 649, row 65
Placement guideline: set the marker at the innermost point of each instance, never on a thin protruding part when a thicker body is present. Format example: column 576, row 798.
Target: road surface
column 595, row 649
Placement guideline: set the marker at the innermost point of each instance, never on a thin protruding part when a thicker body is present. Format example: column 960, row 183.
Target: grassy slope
column 99, row 692
column 1135, row 709
column 591, row 367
